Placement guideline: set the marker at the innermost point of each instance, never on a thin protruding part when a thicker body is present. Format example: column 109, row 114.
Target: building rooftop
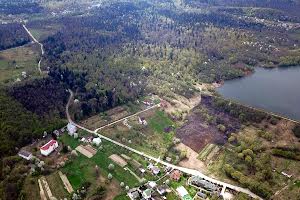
column 48, row 145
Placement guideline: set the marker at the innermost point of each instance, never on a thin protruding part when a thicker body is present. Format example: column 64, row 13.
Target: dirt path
column 42, row 192
column 41, row 45
column 66, row 182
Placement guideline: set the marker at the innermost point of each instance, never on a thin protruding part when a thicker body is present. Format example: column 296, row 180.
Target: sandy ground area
column 117, row 159
column 66, row 182
column 191, row 161
column 86, row 151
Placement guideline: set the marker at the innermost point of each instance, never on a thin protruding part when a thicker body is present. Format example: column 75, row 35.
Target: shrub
column 296, row 131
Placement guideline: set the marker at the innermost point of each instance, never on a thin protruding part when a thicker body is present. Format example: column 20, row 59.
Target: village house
column 133, row 194
column 183, row 193
column 175, row 175
column 152, row 184
column 49, row 147
column 201, row 195
column 154, row 169
column 71, row 129
column 199, row 182
column 25, row 154
column 142, row 121
column 162, row 190
column 147, row 194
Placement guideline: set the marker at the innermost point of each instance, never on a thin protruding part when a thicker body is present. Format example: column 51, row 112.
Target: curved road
column 183, row 169
column 41, row 45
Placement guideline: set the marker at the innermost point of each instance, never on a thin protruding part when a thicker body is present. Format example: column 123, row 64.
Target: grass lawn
column 31, row 188
column 160, row 121
column 151, row 138
column 122, row 197
column 56, row 185
column 69, row 141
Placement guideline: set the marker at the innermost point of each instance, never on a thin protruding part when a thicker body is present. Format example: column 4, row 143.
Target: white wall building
column 97, row 141
column 49, row 147
column 71, row 129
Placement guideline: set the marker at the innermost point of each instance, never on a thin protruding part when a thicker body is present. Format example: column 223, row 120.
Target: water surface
column 276, row 90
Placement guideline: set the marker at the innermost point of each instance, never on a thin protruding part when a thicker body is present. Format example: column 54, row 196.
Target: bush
column 286, row 154
column 296, row 131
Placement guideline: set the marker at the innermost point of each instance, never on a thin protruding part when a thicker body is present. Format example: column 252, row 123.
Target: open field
column 154, row 138
column 17, row 60
column 111, row 115
column 31, row 188
column 81, row 169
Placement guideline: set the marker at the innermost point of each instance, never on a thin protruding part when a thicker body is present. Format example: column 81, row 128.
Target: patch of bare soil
column 196, row 134
column 97, row 121
column 112, row 190
column 191, row 161
column 180, row 103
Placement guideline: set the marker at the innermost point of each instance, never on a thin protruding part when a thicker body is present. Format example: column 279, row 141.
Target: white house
column 71, row 129
column 49, row 147
column 25, row 154
column 96, row 141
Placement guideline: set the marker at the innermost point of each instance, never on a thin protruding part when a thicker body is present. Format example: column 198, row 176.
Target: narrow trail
column 183, row 169
column 41, row 46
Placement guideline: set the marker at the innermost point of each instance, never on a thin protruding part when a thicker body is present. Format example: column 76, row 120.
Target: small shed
column 25, row 154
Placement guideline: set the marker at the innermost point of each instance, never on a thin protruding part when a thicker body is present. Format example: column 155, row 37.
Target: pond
column 275, row 90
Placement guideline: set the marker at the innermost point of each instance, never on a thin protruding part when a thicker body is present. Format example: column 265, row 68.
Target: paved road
column 183, row 169
column 41, row 45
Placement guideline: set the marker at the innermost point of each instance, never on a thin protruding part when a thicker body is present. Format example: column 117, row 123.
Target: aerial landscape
column 149, row 99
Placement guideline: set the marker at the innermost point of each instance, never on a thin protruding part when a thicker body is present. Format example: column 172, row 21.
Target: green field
column 81, row 168
column 16, row 60
column 151, row 138
column 159, row 121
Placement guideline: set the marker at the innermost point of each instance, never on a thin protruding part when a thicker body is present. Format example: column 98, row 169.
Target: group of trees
column 243, row 113
column 259, row 188
column 12, row 35
column 46, row 97
column 18, row 127
column 19, row 7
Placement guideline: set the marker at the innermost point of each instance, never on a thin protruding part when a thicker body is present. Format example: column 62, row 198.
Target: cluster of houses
column 149, row 191
column 92, row 140
column 205, row 187
column 152, row 190
column 52, row 144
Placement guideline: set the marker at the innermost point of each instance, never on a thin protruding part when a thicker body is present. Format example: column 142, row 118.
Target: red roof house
column 175, row 175
column 49, row 147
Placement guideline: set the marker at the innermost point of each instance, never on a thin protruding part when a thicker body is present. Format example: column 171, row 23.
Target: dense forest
column 12, row 35
column 18, row 126
column 153, row 48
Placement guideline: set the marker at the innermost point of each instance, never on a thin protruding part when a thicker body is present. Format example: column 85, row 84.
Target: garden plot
column 87, row 150
column 66, row 182
column 117, row 159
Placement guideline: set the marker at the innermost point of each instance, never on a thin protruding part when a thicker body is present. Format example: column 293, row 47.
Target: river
column 276, row 90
